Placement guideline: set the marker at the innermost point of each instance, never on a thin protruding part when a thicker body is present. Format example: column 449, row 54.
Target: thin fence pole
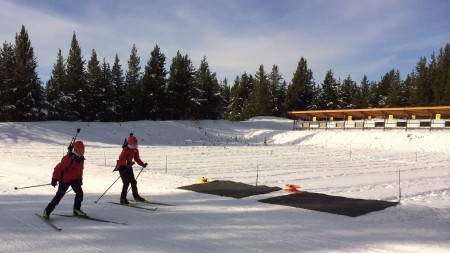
column 399, row 188
column 257, row 172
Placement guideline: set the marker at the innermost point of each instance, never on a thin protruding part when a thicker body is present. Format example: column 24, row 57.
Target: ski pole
column 106, row 190
column 17, row 188
column 110, row 186
column 136, row 178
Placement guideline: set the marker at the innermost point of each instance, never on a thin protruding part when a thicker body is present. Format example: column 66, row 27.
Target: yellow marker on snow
column 202, row 180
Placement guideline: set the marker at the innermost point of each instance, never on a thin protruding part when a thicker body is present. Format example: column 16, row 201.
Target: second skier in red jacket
column 124, row 165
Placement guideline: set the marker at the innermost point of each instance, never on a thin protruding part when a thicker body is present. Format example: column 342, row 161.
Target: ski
column 151, row 202
column 134, row 206
column 48, row 222
column 91, row 218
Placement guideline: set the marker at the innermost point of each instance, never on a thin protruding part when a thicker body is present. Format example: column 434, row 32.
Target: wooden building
column 434, row 117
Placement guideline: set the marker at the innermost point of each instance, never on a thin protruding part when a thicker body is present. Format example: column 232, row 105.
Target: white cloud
column 348, row 37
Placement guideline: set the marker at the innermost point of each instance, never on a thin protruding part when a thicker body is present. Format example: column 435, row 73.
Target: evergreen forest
column 95, row 90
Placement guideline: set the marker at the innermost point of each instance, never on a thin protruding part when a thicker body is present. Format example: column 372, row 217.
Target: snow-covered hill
column 356, row 163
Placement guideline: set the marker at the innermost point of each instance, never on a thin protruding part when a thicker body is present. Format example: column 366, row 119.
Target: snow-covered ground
column 351, row 163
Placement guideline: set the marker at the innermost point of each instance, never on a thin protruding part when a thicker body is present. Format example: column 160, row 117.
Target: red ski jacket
column 70, row 168
column 126, row 157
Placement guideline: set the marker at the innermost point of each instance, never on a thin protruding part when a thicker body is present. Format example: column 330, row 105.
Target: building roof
column 401, row 112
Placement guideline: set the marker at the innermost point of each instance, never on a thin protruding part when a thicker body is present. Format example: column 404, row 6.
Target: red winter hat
column 78, row 148
column 132, row 140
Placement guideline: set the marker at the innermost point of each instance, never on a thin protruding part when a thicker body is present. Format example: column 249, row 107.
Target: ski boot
column 78, row 212
column 45, row 215
column 139, row 199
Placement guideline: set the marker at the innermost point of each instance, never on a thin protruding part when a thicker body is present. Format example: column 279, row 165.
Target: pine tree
column 236, row 103
column 118, row 84
column 261, row 101
column 29, row 94
column 210, row 100
column 407, row 86
column 133, row 91
column 180, row 88
column 316, row 103
column 203, row 85
column 244, row 93
column 93, row 92
column 374, row 98
column 225, row 94
column 422, row 93
column 54, row 91
column 444, row 74
column 411, row 81
column 109, row 108
column 246, row 88
column 154, row 86
column 383, row 89
column 249, row 106
column 330, row 92
column 435, row 86
column 300, row 92
column 363, row 95
column 240, row 93
column 442, row 91
column 395, row 91
column 277, row 91
column 73, row 106
column 7, row 60
column 347, row 93
column 282, row 99
column 378, row 99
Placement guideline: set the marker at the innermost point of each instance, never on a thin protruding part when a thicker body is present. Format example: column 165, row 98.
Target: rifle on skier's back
column 70, row 147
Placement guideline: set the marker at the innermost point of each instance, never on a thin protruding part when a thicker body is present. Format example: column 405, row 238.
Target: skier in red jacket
column 124, row 165
column 69, row 172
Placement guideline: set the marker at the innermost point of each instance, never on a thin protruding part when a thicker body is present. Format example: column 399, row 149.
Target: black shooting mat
column 330, row 204
column 229, row 189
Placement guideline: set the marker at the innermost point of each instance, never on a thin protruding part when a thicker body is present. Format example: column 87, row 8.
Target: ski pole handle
column 18, row 188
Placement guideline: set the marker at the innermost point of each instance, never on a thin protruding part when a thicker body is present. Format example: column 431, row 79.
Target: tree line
column 94, row 90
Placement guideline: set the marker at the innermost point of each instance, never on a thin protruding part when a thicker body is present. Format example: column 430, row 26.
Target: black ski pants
column 127, row 175
column 62, row 189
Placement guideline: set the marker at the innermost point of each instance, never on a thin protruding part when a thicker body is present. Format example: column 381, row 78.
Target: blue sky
column 350, row 37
